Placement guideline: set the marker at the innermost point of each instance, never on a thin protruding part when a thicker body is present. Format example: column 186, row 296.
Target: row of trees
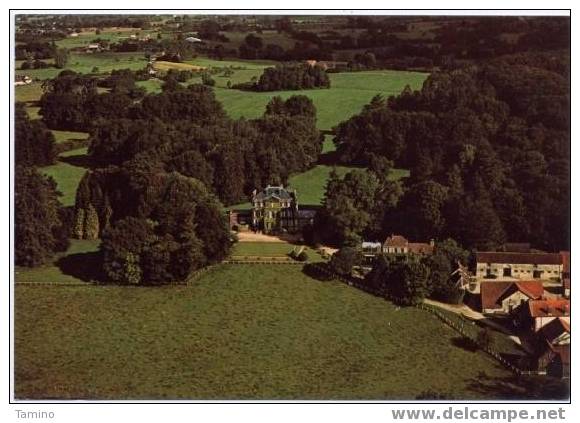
column 41, row 223
column 289, row 76
column 408, row 279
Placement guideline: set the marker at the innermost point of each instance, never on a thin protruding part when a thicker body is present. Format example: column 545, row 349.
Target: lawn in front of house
column 239, row 332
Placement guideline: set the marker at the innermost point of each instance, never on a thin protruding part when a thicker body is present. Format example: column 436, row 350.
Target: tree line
column 288, row 76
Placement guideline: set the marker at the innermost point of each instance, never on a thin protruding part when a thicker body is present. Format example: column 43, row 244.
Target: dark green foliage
column 34, row 143
column 231, row 157
column 303, row 256
column 177, row 228
column 348, row 207
column 290, row 77
column 443, row 285
column 38, row 226
column 344, row 260
column 196, row 103
column 61, row 56
column 488, row 150
column 403, row 280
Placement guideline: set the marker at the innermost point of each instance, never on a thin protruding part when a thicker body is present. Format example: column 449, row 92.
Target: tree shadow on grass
column 80, row 160
column 464, row 343
column 84, row 266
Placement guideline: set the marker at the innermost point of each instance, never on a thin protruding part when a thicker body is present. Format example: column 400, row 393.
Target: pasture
column 238, row 332
column 349, row 92
column 67, row 173
column 274, row 250
column 70, row 267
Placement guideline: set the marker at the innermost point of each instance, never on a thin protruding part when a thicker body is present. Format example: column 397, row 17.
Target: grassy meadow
column 274, row 250
column 238, row 332
column 67, row 173
column 70, row 267
column 349, row 92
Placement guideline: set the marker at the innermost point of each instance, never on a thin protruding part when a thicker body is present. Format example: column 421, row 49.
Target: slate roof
column 518, row 258
column 493, row 292
column 278, row 192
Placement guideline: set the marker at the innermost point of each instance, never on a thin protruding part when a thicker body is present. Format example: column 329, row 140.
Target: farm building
column 539, row 312
column 514, row 266
column 507, row 297
column 397, row 244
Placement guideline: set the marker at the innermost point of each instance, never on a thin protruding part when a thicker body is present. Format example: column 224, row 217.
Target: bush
column 303, row 256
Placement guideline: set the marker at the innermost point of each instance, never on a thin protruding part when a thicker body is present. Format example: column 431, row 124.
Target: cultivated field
column 239, row 332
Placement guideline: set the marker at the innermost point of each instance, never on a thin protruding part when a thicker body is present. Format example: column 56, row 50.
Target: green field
column 62, row 136
column 86, row 62
column 250, row 250
column 65, row 267
column 67, row 174
column 349, row 92
column 239, row 332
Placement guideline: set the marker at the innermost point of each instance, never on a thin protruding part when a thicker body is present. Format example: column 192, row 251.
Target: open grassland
column 69, row 267
column 67, row 173
column 275, row 250
column 239, row 332
column 311, row 184
column 349, row 92
column 62, row 136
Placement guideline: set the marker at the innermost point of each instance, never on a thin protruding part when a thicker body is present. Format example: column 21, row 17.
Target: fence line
column 430, row 309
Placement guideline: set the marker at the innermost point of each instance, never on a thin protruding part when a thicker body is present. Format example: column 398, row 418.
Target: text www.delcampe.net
column 468, row 413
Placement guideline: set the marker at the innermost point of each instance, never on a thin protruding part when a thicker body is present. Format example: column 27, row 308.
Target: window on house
column 507, row 271
column 538, row 274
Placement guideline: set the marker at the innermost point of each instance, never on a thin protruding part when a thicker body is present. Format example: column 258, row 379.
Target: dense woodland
column 488, row 148
column 179, row 158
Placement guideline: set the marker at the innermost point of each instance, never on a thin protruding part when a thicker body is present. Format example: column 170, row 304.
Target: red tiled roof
column 396, row 241
column 420, row 248
column 549, row 308
column 492, row 292
column 518, row 258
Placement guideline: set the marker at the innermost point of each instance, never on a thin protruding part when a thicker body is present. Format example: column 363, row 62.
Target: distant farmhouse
column 274, row 210
column 396, row 245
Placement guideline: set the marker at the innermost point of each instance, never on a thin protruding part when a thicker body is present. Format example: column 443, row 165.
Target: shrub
column 303, row 256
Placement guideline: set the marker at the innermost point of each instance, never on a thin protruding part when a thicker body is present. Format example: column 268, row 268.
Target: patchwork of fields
column 239, row 332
